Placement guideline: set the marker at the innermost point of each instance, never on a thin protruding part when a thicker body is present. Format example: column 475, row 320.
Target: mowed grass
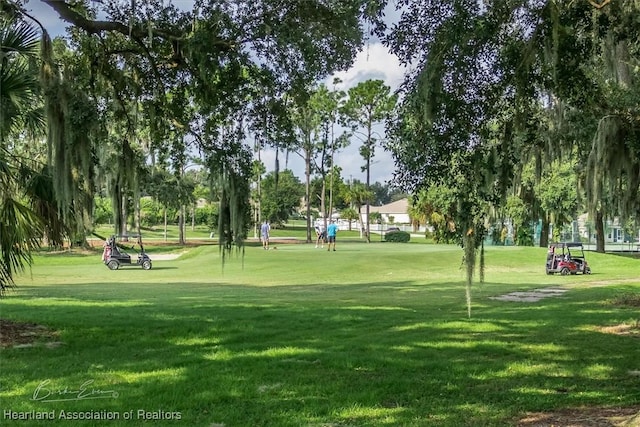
column 371, row 335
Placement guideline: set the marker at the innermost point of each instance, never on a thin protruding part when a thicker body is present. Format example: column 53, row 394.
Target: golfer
column 332, row 230
column 321, row 235
column 264, row 233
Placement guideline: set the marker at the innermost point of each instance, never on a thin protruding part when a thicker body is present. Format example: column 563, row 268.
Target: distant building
column 614, row 231
column 392, row 213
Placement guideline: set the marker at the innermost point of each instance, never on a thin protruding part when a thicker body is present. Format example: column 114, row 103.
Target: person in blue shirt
column 264, row 234
column 332, row 230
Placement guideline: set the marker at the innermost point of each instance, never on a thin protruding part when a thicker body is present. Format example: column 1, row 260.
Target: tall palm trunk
column 307, row 186
column 368, row 166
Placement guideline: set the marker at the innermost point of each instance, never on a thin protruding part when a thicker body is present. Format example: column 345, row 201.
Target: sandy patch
column 24, row 334
column 531, row 296
column 624, row 329
column 584, row 417
column 165, row 257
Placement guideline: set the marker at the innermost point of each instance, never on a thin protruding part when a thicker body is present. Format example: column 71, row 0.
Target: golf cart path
column 166, row 257
column 535, row 295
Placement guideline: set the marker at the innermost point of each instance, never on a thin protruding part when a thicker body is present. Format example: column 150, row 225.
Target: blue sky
column 373, row 62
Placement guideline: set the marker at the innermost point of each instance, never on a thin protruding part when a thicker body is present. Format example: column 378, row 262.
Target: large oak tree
column 197, row 80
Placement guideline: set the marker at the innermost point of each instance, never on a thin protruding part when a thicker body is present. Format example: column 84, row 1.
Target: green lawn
column 371, row 335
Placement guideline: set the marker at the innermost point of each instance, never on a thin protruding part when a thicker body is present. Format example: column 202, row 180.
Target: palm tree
column 418, row 211
column 359, row 196
column 21, row 228
column 350, row 215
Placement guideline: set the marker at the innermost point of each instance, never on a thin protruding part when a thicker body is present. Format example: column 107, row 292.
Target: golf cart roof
column 567, row 245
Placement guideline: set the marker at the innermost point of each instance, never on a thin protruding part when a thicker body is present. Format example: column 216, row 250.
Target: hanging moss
column 70, row 118
column 230, row 168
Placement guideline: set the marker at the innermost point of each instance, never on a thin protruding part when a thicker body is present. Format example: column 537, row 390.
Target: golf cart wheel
column 564, row 271
column 548, row 272
column 113, row 264
column 587, row 271
column 146, row 265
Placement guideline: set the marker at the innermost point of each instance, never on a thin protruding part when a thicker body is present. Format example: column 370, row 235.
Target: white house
column 392, row 213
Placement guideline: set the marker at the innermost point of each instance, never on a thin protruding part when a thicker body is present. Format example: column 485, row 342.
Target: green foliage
column 397, row 236
column 516, row 210
column 524, row 236
column 28, row 210
column 472, row 127
column 20, row 97
column 279, row 200
column 349, row 214
column 436, row 206
column 521, row 217
column 147, row 75
column 558, row 194
column 151, row 212
column 382, row 193
column 375, row 218
column 358, row 195
column 207, row 215
column 103, row 211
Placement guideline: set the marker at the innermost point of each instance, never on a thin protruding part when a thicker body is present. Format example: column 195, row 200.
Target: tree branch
column 138, row 32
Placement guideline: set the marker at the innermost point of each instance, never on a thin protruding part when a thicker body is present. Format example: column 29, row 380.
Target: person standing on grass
column 320, row 234
column 264, row 233
column 332, row 230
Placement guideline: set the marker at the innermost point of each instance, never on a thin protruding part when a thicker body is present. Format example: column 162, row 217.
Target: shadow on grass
column 368, row 354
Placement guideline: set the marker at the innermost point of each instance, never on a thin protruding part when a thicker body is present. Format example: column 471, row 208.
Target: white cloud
column 374, row 61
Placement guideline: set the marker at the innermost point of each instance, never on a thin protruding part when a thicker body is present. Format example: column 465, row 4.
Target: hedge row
column 397, row 236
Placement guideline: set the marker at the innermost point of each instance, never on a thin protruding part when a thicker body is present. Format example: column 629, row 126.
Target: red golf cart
column 567, row 258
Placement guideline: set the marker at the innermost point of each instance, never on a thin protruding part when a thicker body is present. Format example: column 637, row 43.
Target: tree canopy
column 149, row 82
column 497, row 83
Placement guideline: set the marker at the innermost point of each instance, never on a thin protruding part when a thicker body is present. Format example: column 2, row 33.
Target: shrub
column 524, row 236
column 397, row 236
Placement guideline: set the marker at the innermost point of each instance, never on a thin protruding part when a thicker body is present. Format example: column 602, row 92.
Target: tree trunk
column 307, row 184
column 599, row 223
column 138, row 217
column 165, row 222
column 124, row 216
column 323, row 195
column 544, row 232
column 331, row 190
column 369, row 150
column 181, row 240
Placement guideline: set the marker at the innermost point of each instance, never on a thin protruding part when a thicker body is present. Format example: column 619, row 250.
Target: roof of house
column 398, row 207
